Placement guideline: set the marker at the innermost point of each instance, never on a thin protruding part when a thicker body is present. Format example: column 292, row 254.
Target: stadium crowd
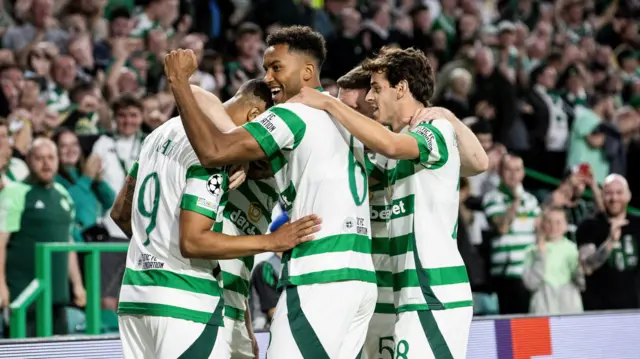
column 551, row 89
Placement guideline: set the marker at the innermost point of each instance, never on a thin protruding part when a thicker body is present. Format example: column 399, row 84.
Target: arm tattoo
column 597, row 259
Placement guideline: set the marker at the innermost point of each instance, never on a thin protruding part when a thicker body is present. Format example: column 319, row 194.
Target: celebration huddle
column 369, row 181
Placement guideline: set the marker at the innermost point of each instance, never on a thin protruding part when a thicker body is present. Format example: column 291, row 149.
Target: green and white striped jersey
column 428, row 272
column 319, row 169
column 380, row 201
column 248, row 212
column 158, row 280
column 508, row 251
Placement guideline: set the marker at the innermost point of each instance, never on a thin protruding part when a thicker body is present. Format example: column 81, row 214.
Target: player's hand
column 312, row 98
column 431, row 113
column 290, row 235
column 238, row 175
column 180, row 64
column 254, row 347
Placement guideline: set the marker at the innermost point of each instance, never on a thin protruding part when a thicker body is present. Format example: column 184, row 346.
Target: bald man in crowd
column 38, row 211
column 609, row 244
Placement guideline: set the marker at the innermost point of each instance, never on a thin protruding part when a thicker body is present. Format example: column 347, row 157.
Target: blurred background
column 551, row 89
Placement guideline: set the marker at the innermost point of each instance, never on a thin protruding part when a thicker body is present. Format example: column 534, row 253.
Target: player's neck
column 314, row 84
column 406, row 112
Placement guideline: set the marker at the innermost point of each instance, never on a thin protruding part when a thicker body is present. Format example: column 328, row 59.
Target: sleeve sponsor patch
column 267, row 122
column 427, row 134
column 212, row 206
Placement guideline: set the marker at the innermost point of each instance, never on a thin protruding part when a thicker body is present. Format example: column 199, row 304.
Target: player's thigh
column 135, row 337
column 184, row 339
column 356, row 334
column 240, row 345
column 282, row 345
column 379, row 342
column 437, row 334
column 410, row 338
column 339, row 313
column 454, row 324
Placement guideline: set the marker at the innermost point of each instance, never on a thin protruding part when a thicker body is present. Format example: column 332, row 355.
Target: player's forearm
column 372, row 134
column 213, row 109
column 122, row 207
column 473, row 158
column 205, row 138
column 211, row 245
column 247, row 319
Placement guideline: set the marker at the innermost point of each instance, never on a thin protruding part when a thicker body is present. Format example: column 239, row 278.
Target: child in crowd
column 552, row 271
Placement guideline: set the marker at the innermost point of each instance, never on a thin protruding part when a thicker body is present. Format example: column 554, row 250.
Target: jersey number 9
column 152, row 212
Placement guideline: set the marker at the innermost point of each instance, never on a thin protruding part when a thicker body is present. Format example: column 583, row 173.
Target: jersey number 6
column 353, row 163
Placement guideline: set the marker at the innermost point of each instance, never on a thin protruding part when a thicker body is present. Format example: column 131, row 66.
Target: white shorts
column 237, row 336
column 433, row 334
column 147, row 337
column 379, row 342
column 327, row 320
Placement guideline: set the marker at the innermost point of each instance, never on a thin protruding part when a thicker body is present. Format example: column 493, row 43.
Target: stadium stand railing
column 40, row 291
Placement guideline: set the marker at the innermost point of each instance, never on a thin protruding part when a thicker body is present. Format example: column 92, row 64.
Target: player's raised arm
column 372, row 134
column 121, row 210
column 212, row 146
column 204, row 194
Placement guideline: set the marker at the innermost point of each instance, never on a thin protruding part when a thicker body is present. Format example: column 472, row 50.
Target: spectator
column 455, row 98
column 348, row 42
column 48, row 204
column 199, row 77
column 157, row 14
column 551, row 269
column 118, row 152
column 264, row 293
column 247, row 63
column 42, row 27
column 570, row 197
column 548, row 120
column 513, row 213
column 609, row 245
column 587, row 139
column 14, row 169
column 91, row 195
column 120, row 26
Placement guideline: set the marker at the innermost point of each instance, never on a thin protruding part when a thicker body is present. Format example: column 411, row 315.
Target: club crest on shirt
column 254, row 212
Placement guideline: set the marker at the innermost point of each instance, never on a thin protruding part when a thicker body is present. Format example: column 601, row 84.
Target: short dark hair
column 247, row 28
column 7, row 67
column 119, row 12
column 125, row 101
column 258, row 90
column 80, row 89
column 356, row 79
column 302, row 39
column 410, row 65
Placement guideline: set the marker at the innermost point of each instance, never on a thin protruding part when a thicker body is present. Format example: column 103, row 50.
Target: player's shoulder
column 441, row 125
column 300, row 110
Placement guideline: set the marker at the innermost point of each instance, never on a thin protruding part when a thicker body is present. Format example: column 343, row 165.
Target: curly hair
column 409, row 64
column 302, row 39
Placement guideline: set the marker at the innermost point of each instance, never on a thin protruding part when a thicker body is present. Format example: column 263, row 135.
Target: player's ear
column 402, row 88
column 308, row 71
column 254, row 112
